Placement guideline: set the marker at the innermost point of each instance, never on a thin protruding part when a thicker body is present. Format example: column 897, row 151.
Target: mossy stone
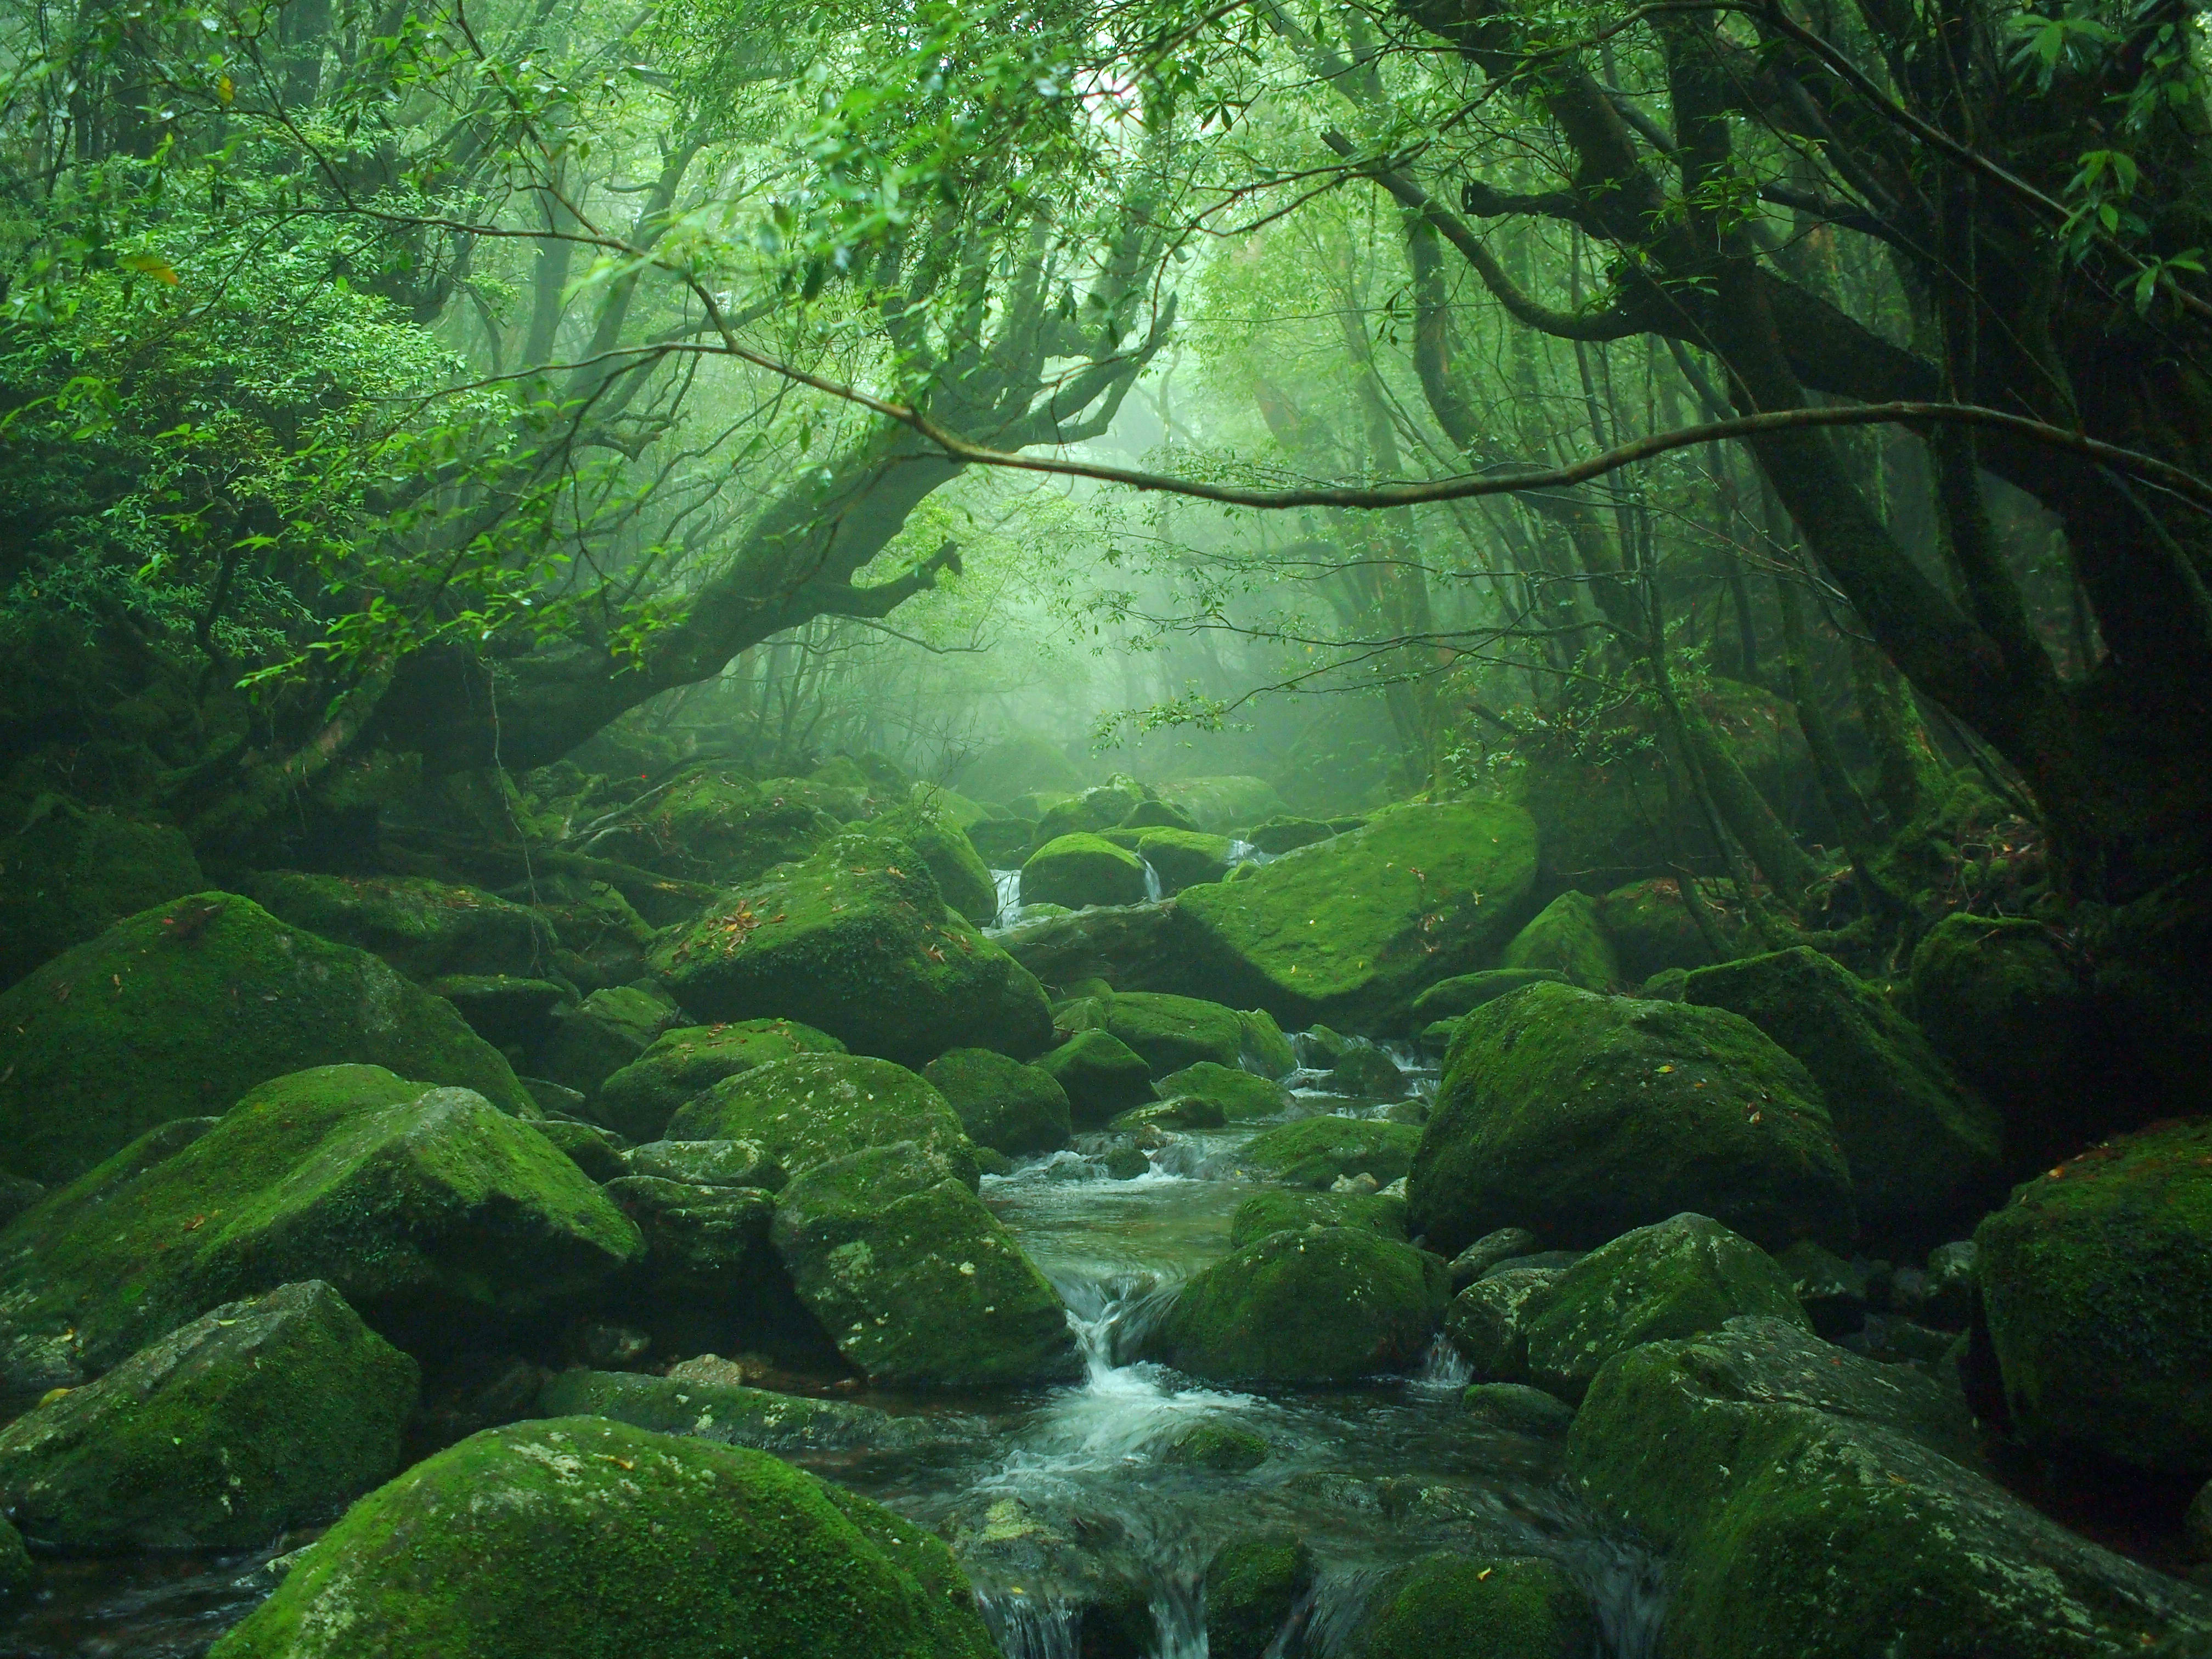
column 1190, row 1112
column 807, row 1110
column 1581, row 1117
column 730, row 1414
column 1463, row 993
column 424, row 928
column 932, row 825
column 2097, row 1285
column 1267, row 1051
column 410, row 1202
column 638, row 1100
column 1002, row 843
column 717, row 826
column 1252, row 1584
column 18, row 1572
column 1364, row 1071
column 72, row 873
column 1288, row 1211
column 513, row 1015
column 1100, row 1075
column 856, row 942
column 587, row 1145
column 1567, row 937
column 258, row 1416
column 1020, row 1110
column 1676, row 1278
column 1217, row 1447
column 1276, row 836
column 1087, row 812
column 1517, row 1408
column 624, row 1542
column 1327, row 1304
column 608, row 1030
column 1241, row 1095
column 1173, row 1032
column 179, row 1010
column 1157, row 815
column 706, row 1163
column 1487, row 1323
column 1652, row 930
column 1924, row 1153
column 1349, row 929
column 1519, row 1607
column 1184, row 857
column 1086, row 868
column 1313, row 1151
column 1219, row 803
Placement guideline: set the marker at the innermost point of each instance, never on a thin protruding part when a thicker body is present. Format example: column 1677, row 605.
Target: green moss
column 1087, row 813
column 625, row 1542
column 1652, row 930
column 1100, row 1075
column 1220, row 1448
column 1252, row 1584
column 1221, row 803
column 424, row 928
column 396, row 1196
column 1266, row 1050
column 639, row 1099
column 1276, row 836
column 18, row 1573
column 1581, row 1117
column 258, row 1416
column 1517, row 1408
column 730, row 1414
column 610, row 1030
column 71, row 874
column 1522, row 1607
column 858, row 943
column 2001, row 1001
column 1184, row 857
column 1022, row 764
column 1174, row 1032
column 1349, row 929
column 714, row 825
column 587, row 1146
column 1003, row 1104
column 813, row 1108
column 2097, row 1285
column 1313, row 1151
column 1240, row 1095
column 1487, row 1322
column 933, row 826
column 1463, row 993
column 1567, row 937
column 1080, row 869
column 179, row 1010
column 1284, row 1212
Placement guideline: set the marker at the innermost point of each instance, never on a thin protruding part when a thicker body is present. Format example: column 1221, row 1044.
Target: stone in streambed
column 1083, row 869
column 931, row 825
column 1220, row 1448
column 1519, row 1607
column 1252, row 1584
column 730, row 1414
column 1173, row 1032
column 1487, row 1252
column 1100, row 1076
column 1279, row 1211
column 426, row 929
column 1184, row 857
column 683, row 1064
column 804, row 1111
column 1486, row 1323
column 1517, row 1408
column 1241, row 1095
column 1020, row 1110
column 1463, row 993
column 608, row 1031
column 1567, row 937
column 1315, row 1151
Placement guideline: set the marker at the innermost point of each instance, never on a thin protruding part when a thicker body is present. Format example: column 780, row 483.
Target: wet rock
column 1315, row 1151
column 1173, row 1032
column 1091, row 811
column 426, row 929
column 1349, row 929
column 916, row 1282
column 1100, row 1075
column 1487, row 1252
column 1126, row 1163
column 706, row 1163
column 587, row 1145
column 1486, row 1323
column 608, row 1347
column 18, row 1572
column 1158, row 815
column 1266, row 1052
column 1519, row 1607
column 1020, row 1110
column 1240, row 1095
column 1366, row 1072
column 1220, row 1448
column 856, row 942
column 2097, row 1285
column 729, row 1414
column 1463, row 993
column 1280, row 835
column 1184, row 857
column 602, row 937
column 1833, row 1292
column 179, row 1010
column 1951, row 1281
column 72, row 873
column 258, row 1416
column 1003, row 843
column 1813, row 1505
column 1082, row 869
column 1281, row 1212
column 605, row 1032
column 1517, row 1408
column 1254, row 1584
column 1678, row 1278
column 931, row 825
column 622, row 1541
column 1322, row 1047
column 415, row 1204
column 1652, row 932
column 1138, row 947
column 685, row 1063
column 1567, row 937
column 1546, row 1261
column 1189, row 1112
column 1923, row 1152
column 1581, row 1117
column 1328, row 1304
column 813, row 1108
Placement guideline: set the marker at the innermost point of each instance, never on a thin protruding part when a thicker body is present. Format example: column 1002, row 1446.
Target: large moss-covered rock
column 638, row 1100
column 1520, row 1608
column 1652, row 930
column 932, row 824
column 2097, row 1285
column 1567, row 937
column 1681, row 1277
column 715, row 826
column 1252, row 1584
column 1082, row 869
column 856, row 942
column 424, row 928
column 1581, row 1117
column 1292, row 1211
column 1184, row 857
column 1923, row 1152
column 1267, row 1051
column 1089, row 811
column 1463, row 993
column 179, row 1010
column 1349, row 929
column 1003, row 1104
column 729, row 1413
column 1325, row 1305
column 1487, row 1323
column 1315, row 1151
column 1812, row 1508
column 813, row 1108
column 1172, row 1032
column 624, row 1542
column 258, row 1416
column 611, row 1029
column 410, row 1202
column 1241, row 1095
column 68, row 874
column 1101, row 1075
column 914, row 1279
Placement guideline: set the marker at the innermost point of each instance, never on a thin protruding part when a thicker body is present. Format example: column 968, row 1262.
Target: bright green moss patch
column 932, row 824
column 1100, row 1075
column 424, row 928
column 1174, row 1032
column 729, row 1413
column 1220, row 1447
column 1522, row 1607
column 1283, row 1211
column 1566, row 936
column 813, row 1108
column 1313, row 1152
column 1252, row 1584
column 1080, row 869
column 638, row 1100
column 1017, row 1110
column 1184, row 857
column 1241, row 1095
column 716, row 826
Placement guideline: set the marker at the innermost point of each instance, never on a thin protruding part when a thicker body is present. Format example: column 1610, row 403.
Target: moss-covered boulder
column 1924, row 1153
column 729, row 1413
column 603, row 938
column 807, row 1110
column 1293, row 1211
column 1517, row 1408
column 1267, row 1051
column 1567, row 937
column 1364, row 1070
column 1463, row 993
column 610, row 1030
column 705, row 1163
column 1519, row 1607
column 1652, row 931
column 1221, row 803
column 258, row 1416
column 1487, row 1322
column 623, row 1541
column 1011, row 1108
column 1173, row 1032
column 1241, row 1095
column 1812, row 1507
column 1349, row 929
column 424, row 928
column 1252, row 1584
column 179, row 1010
column 1089, row 811
column 716, row 826
column 1581, row 1117
column 1276, row 836
column 932, row 824
column 1184, row 857
column 1216, row 1447
column 1325, row 1305
column 914, row 1279
column 1082, row 869
column 415, row 1204
column 638, row 1100
column 1681, row 1277
column 1002, row 843
column 1315, row 1151
column 515, row 1016
column 1101, row 1075
column 70, row 874
column 2097, row 1285
column 856, row 942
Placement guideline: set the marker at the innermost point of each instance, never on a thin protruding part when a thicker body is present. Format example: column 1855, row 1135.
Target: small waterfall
column 1243, row 852
column 1032, row 1626
column 1153, row 891
column 1443, row 1369
column 1009, row 884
